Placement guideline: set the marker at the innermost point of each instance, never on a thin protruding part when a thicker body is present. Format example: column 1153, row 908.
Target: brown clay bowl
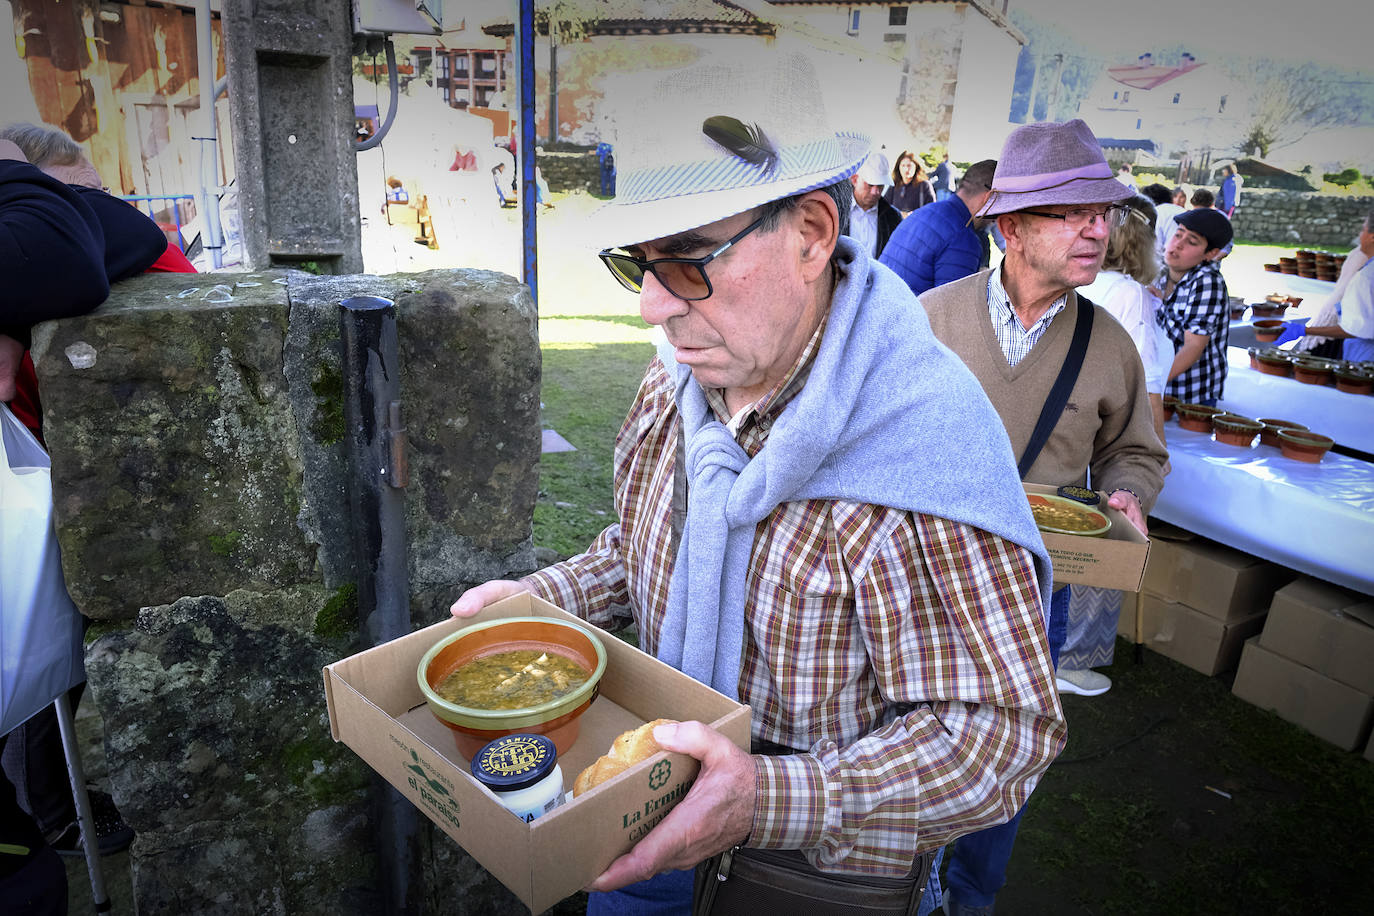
column 1279, row 363
column 1270, row 434
column 1170, row 406
column 1197, row 417
column 1235, row 430
column 1354, row 381
column 1268, row 330
column 1313, row 371
column 558, row 719
column 1304, row 445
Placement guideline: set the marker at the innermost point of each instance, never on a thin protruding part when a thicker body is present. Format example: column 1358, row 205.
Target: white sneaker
column 1084, row 683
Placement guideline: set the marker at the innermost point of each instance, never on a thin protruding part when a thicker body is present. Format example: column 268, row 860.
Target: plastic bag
column 40, row 628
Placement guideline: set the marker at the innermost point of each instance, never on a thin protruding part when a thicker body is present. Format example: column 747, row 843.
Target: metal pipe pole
column 208, row 197
column 378, row 474
column 530, row 260
column 66, row 727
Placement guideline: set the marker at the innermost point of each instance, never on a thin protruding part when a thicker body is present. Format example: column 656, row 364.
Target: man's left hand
column 717, row 813
column 1124, row 501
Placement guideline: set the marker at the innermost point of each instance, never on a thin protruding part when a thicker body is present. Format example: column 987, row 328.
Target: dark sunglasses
column 685, row 278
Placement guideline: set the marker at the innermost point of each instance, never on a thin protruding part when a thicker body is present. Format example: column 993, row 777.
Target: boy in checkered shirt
column 1196, row 313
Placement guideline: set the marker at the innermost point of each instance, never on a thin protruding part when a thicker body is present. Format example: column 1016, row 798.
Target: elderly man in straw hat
column 819, row 515
column 1063, row 375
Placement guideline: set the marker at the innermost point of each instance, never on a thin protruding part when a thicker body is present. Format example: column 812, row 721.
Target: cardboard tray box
column 376, row 708
column 1211, row 578
column 1114, row 561
column 1326, row 708
column 1326, row 628
column 1192, row 638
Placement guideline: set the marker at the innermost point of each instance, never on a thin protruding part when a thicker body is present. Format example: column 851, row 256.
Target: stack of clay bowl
column 1307, row 264
column 1288, row 266
column 1327, row 267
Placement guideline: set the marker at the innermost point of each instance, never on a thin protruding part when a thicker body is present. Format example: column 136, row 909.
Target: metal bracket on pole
column 398, row 469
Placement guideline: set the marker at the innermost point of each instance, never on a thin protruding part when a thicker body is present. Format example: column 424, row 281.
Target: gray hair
column 841, row 192
column 43, row 146
column 1369, row 221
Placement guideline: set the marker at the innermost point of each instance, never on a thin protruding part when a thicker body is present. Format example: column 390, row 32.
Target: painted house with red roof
column 1164, row 107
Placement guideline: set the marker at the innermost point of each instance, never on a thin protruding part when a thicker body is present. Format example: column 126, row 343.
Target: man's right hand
column 479, row 596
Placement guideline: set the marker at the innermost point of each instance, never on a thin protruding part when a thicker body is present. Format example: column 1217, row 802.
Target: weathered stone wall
column 569, row 170
column 197, row 430
column 1296, row 218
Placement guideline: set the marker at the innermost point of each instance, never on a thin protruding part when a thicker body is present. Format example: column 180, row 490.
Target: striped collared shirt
column 903, row 653
column 1015, row 340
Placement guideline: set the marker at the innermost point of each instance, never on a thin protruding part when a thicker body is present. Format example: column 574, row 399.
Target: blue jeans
column 978, row 862
column 670, row 894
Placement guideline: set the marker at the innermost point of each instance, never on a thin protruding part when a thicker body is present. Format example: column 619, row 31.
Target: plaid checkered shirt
column 904, row 653
column 1198, row 305
column 1015, row 340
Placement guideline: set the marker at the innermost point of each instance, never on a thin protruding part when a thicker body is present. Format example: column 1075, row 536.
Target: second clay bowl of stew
column 533, row 675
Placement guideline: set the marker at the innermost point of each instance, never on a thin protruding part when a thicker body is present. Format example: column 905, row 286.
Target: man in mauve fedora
column 1016, row 327
column 819, row 514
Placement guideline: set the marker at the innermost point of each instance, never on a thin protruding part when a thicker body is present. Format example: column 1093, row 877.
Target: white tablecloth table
column 1255, row 286
column 1347, row 418
column 1315, row 518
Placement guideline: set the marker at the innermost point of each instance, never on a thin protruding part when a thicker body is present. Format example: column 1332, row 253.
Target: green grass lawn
column 588, row 388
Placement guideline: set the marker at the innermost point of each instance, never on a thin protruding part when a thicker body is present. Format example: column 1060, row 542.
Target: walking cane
column 84, row 819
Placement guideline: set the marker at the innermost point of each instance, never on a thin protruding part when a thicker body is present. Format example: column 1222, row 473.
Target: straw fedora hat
column 1052, row 163
column 714, row 140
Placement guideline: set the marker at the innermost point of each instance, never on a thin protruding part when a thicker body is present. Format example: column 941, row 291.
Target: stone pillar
column 197, row 432
column 289, row 64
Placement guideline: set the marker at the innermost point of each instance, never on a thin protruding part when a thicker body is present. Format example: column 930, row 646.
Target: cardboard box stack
column 1314, row 663
column 1202, row 600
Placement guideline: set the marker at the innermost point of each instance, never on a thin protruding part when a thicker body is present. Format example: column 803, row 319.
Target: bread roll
column 627, row 750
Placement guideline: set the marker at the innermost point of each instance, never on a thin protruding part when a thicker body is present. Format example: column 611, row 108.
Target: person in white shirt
column 872, row 219
column 1165, row 211
column 1122, row 288
column 1327, row 313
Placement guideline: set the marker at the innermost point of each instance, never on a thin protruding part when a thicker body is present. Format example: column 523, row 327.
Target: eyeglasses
column 685, row 278
column 1079, row 218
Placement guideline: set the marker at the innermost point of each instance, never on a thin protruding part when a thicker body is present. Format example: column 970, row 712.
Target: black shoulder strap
column 1059, row 394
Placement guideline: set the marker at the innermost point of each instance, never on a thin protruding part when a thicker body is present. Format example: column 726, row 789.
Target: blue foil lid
column 513, row 762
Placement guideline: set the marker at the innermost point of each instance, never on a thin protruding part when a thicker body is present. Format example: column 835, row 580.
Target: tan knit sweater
column 1106, row 426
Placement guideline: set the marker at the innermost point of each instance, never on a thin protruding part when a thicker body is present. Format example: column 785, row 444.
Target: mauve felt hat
column 1052, row 163
column 672, row 176
column 1208, row 223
